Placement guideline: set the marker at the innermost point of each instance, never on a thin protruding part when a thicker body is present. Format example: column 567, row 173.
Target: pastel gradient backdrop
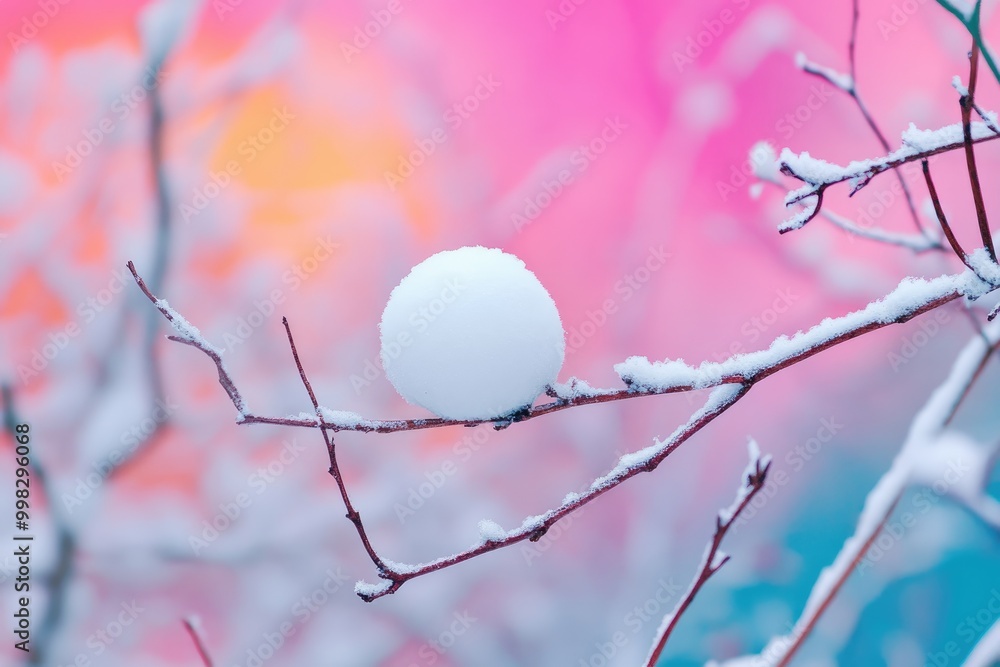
column 669, row 181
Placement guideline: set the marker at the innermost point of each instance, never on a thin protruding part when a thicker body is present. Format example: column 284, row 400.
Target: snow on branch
column 818, row 174
column 731, row 379
column 754, row 478
column 913, row 296
column 919, row 462
column 765, row 161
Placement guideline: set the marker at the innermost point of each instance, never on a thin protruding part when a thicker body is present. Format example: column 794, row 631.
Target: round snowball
column 471, row 334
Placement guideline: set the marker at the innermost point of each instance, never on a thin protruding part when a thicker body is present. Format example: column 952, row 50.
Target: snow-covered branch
column 928, row 447
column 732, row 379
column 818, row 174
column 754, row 477
column 913, row 297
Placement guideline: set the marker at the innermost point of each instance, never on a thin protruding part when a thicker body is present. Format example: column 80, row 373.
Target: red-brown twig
column 863, row 174
column 199, row 643
column 331, row 448
column 942, row 219
column 967, row 101
column 756, row 478
column 852, row 90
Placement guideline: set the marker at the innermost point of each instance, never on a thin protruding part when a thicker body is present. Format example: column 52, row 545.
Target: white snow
column 344, row 419
column 575, row 388
column 987, row 651
column 471, row 334
column 817, row 173
column 926, row 430
column 839, row 79
column 753, row 450
column 161, row 26
column 366, row 589
column 491, row 531
column 912, row 293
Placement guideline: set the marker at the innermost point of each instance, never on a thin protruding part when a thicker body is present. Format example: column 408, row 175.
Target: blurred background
column 266, row 159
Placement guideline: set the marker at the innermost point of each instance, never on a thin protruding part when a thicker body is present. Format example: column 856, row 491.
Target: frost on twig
column 767, row 170
column 754, row 478
column 818, row 175
column 838, row 79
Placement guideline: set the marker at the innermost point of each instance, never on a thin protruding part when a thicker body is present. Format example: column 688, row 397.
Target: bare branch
column 331, row 449
column 942, row 219
column 191, row 625
column 713, row 560
column 849, row 84
column 966, row 102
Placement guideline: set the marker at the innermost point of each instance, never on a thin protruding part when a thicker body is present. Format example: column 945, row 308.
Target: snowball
column 471, row 334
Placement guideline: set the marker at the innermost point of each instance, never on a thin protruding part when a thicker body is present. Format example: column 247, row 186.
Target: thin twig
column 199, row 643
column 331, row 449
column 862, row 174
column 942, row 219
column 710, row 564
column 966, row 102
column 852, row 91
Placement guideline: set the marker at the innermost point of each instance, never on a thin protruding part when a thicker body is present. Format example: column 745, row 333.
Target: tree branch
column 927, row 425
column 967, row 101
column 755, row 477
column 190, row 625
